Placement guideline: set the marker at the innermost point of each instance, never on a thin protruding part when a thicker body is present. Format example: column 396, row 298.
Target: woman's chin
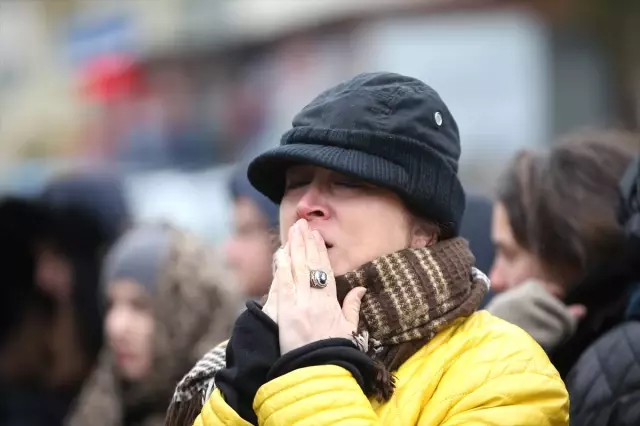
column 338, row 267
column 335, row 263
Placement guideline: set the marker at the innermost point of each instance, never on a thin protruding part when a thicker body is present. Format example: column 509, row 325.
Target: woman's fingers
column 313, row 255
column 324, row 264
column 303, row 319
column 311, row 247
column 271, row 305
column 286, row 287
column 300, row 264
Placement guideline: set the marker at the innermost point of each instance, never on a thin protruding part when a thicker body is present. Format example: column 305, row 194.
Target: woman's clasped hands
column 306, row 313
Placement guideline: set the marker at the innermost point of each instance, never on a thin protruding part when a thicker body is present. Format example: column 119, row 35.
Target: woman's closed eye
column 296, row 184
column 349, row 183
column 352, row 183
column 336, row 181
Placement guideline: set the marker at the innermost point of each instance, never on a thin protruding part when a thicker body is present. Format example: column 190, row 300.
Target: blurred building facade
column 515, row 73
column 191, row 85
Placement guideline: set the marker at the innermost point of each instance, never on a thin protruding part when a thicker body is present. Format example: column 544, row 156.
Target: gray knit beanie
column 138, row 255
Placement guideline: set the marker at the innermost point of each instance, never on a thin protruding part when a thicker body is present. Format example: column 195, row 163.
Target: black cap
column 391, row 130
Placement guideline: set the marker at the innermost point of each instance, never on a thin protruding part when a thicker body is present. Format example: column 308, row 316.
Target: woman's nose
column 312, row 204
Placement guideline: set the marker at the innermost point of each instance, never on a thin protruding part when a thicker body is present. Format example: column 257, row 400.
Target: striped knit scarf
column 412, row 295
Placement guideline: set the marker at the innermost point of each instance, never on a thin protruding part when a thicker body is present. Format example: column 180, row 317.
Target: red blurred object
column 111, row 77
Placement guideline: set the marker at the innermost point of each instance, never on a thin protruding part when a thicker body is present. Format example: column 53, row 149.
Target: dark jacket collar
column 633, row 308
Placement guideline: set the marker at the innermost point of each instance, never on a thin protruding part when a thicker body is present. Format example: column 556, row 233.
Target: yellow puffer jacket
column 479, row 371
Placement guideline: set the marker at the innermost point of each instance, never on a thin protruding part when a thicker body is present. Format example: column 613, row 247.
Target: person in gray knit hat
column 371, row 315
column 167, row 300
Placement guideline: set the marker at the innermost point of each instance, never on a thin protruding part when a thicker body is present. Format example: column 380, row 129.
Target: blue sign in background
column 88, row 38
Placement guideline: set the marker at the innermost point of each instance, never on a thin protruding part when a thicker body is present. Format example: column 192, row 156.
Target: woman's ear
column 423, row 234
column 419, row 241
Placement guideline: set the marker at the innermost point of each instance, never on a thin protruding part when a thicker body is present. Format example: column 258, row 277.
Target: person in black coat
column 566, row 268
column 50, row 313
column 604, row 384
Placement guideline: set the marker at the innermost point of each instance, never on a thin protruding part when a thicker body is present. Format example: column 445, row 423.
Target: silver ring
column 319, row 279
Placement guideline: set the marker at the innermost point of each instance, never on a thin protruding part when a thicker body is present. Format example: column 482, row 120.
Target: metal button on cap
column 438, row 118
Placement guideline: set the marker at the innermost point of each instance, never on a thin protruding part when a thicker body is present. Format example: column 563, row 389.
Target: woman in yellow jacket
column 371, row 317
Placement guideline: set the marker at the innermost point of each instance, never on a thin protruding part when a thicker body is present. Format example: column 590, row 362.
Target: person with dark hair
column 22, row 310
column 16, row 223
column 91, row 212
column 250, row 247
column 54, row 333
column 554, row 219
column 604, row 384
column 566, row 266
column 372, row 315
column 58, row 240
column 100, row 194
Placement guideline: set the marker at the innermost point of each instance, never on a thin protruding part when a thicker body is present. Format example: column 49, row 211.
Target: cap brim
column 267, row 172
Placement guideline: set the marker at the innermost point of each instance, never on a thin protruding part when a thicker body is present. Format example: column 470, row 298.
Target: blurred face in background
column 513, row 265
column 250, row 248
column 129, row 327
column 53, row 273
column 555, row 215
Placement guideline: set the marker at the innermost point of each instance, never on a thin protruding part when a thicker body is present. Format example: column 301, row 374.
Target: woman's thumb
column 351, row 305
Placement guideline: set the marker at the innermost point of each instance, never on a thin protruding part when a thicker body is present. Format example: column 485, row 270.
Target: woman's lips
column 326, row 244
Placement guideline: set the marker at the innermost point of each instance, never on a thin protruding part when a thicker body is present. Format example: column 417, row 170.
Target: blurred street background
column 116, row 114
column 171, row 93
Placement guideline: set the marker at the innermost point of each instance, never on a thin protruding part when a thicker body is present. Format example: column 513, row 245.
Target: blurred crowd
column 102, row 316
column 110, row 311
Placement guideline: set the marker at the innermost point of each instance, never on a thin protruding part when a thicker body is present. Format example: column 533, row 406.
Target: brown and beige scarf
column 412, row 295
